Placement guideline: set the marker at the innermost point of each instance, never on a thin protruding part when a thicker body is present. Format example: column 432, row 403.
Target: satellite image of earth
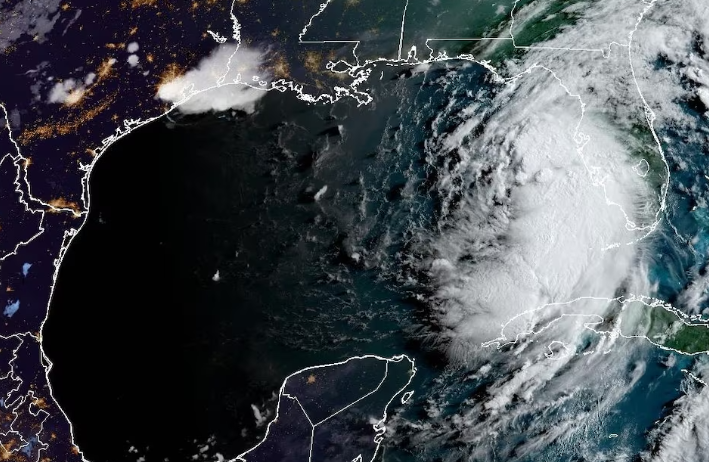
column 354, row 230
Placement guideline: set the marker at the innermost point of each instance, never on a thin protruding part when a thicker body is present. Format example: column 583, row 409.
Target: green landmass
column 546, row 24
column 665, row 328
column 643, row 146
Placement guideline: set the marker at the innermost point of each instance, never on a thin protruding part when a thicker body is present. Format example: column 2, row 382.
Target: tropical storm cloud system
column 354, row 230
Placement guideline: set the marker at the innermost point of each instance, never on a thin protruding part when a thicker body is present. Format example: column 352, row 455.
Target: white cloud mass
column 60, row 91
column 544, row 204
column 223, row 80
column 684, row 434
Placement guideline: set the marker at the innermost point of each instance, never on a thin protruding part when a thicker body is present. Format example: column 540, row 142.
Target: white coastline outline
column 19, row 401
column 361, row 74
column 379, row 427
column 616, row 332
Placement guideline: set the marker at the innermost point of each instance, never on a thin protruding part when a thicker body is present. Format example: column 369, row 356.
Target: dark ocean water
column 184, row 353
column 301, row 281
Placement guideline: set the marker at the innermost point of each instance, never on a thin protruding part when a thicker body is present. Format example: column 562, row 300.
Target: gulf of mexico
column 222, row 253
